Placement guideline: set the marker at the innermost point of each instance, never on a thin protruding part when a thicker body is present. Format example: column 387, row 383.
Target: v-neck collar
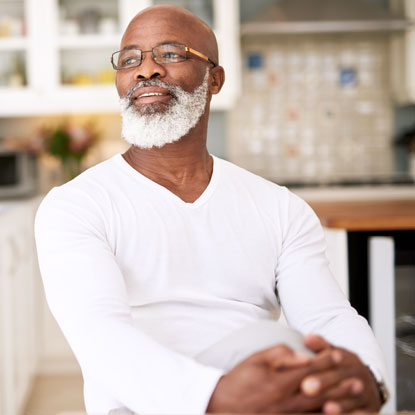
column 205, row 196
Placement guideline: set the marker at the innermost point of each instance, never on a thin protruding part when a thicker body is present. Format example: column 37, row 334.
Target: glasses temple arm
column 201, row 55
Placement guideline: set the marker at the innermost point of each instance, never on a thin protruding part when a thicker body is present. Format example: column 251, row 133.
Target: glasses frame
column 187, row 49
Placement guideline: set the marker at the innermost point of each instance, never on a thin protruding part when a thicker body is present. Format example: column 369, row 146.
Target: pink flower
column 80, row 138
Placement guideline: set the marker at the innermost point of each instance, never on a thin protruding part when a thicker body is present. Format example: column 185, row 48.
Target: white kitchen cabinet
column 403, row 55
column 60, row 54
column 31, row 342
column 18, row 317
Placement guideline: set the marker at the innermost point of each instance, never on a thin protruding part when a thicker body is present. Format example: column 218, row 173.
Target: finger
column 297, row 359
column 325, row 360
column 277, row 353
column 298, row 403
column 316, row 343
column 345, row 389
column 332, row 408
column 319, row 382
column 348, row 397
column 295, row 375
column 344, row 406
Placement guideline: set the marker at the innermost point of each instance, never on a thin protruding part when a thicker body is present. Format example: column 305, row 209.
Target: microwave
column 18, row 174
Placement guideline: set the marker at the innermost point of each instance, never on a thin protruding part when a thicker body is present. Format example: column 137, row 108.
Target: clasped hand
column 279, row 380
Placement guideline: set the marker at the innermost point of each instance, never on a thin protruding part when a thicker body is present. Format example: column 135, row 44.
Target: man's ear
column 217, row 79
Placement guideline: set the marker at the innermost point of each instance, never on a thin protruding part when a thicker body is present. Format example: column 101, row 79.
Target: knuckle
column 283, row 348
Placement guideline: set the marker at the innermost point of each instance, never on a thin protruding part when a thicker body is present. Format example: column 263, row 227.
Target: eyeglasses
column 162, row 54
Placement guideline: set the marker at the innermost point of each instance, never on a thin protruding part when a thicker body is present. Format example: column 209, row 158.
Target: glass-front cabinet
column 204, row 9
column 13, row 44
column 88, row 32
column 55, row 54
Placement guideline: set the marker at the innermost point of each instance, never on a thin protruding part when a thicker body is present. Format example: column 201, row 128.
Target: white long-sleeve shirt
column 140, row 281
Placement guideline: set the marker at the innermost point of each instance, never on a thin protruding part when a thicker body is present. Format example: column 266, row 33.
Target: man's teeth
column 152, row 94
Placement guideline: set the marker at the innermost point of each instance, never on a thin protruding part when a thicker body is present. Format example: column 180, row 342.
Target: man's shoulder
column 246, row 178
column 88, row 187
column 101, row 172
column 250, row 185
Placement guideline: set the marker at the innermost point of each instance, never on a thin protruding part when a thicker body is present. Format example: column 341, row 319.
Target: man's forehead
column 155, row 33
column 166, row 23
column 165, row 13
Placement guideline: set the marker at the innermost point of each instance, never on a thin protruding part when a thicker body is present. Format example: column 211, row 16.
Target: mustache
column 151, row 82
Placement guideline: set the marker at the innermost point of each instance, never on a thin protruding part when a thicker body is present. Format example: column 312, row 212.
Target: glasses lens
column 169, row 53
column 127, row 58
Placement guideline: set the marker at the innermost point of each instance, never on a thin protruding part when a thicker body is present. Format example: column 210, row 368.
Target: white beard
column 154, row 127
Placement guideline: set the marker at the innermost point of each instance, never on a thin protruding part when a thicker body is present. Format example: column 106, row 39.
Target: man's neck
column 184, row 167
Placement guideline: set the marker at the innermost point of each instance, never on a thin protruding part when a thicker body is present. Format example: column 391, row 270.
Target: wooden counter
column 367, row 215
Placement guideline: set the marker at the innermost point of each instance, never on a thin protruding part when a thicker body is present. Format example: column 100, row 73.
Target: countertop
column 363, row 208
column 367, row 215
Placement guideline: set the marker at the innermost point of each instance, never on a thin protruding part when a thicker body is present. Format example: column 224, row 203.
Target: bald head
column 196, row 33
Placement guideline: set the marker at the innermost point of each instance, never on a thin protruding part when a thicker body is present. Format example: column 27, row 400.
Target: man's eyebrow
column 130, row 47
column 170, row 42
column 165, row 42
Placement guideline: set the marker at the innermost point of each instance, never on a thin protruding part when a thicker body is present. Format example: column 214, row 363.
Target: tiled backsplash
column 314, row 107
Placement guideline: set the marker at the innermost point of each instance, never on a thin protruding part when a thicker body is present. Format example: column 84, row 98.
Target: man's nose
column 149, row 68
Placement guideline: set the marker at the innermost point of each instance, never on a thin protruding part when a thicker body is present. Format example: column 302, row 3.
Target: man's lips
column 150, row 95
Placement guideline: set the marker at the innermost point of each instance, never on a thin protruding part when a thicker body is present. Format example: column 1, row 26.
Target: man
column 157, row 261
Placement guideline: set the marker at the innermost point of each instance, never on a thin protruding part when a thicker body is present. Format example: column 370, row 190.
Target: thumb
column 316, row 343
column 281, row 356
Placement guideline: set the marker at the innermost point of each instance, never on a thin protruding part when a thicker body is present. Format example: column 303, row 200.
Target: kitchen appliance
column 18, row 173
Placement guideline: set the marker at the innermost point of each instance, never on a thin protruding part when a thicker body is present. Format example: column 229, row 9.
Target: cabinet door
column 20, row 242
column 13, row 44
column 18, row 344
column 16, row 83
column 7, row 318
column 64, row 56
column 80, row 40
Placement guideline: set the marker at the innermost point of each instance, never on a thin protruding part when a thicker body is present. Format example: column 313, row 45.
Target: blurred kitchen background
column 319, row 96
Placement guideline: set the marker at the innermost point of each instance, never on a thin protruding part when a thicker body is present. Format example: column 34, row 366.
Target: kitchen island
column 371, row 238
column 367, row 215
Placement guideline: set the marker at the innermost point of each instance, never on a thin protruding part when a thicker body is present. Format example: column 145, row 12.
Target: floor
column 53, row 395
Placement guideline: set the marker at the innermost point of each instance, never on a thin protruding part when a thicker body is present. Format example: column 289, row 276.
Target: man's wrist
column 381, row 385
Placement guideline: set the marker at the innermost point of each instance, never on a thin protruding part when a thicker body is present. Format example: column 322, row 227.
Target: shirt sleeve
column 310, row 297
column 86, row 293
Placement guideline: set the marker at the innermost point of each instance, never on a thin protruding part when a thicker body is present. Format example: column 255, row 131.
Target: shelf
column 67, row 55
column 15, row 89
column 89, row 41
column 20, row 102
column 271, row 28
column 17, row 101
column 93, row 98
column 13, row 43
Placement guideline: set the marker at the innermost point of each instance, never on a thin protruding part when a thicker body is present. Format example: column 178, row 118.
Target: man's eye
column 130, row 60
column 171, row 55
